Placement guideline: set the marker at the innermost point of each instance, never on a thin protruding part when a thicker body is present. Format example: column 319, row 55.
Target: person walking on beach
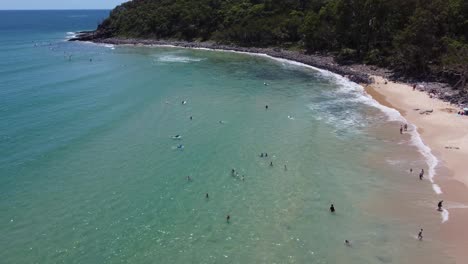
column 406, row 127
column 332, row 208
column 411, row 170
column 421, row 174
column 414, row 87
column 439, row 206
column 401, row 129
column 420, row 236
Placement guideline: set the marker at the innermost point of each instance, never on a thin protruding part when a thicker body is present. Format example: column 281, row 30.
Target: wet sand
column 446, row 133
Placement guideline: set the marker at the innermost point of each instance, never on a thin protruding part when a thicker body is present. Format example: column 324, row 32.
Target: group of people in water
column 403, row 128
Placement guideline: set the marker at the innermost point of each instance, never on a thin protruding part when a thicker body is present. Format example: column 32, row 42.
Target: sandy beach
column 446, row 134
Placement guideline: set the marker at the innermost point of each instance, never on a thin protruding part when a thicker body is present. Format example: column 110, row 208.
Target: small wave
column 445, row 215
column 110, row 46
column 70, row 35
column 174, row 58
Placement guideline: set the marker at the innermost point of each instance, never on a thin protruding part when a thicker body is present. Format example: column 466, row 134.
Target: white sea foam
column 110, row 46
column 176, row 58
column 70, row 35
column 445, row 215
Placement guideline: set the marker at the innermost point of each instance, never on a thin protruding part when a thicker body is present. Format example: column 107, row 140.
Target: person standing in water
column 420, row 235
column 207, row 196
column 271, row 163
column 285, row 168
column 439, row 206
column 332, row 208
column 266, row 106
column 228, row 217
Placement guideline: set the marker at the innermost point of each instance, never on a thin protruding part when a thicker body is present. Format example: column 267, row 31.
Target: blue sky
column 59, row 4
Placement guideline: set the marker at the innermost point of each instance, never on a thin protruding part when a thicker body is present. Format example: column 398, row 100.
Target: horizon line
column 59, row 9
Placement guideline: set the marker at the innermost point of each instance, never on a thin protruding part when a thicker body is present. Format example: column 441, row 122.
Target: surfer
column 439, row 206
column 347, row 243
column 233, row 171
column 177, row 137
column 332, row 208
column 266, row 106
column 191, row 118
column 420, row 236
column 184, row 102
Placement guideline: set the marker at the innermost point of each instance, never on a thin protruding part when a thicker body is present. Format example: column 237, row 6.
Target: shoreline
column 400, row 98
column 446, row 134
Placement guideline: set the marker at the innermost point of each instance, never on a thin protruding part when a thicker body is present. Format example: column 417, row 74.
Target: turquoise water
column 89, row 172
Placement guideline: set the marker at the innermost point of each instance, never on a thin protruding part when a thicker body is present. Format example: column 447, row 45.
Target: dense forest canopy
column 417, row 37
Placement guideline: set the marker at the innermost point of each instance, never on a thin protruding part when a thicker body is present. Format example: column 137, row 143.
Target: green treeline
column 415, row 37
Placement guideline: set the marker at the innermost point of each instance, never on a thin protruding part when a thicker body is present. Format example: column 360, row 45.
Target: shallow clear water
column 89, row 172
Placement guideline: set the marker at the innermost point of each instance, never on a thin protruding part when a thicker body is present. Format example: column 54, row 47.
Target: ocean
column 91, row 170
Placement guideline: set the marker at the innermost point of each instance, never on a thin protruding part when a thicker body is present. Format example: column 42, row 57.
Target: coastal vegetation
column 420, row 38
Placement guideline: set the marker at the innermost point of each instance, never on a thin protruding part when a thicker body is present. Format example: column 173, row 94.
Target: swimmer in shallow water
column 439, row 206
column 347, row 243
column 420, row 235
